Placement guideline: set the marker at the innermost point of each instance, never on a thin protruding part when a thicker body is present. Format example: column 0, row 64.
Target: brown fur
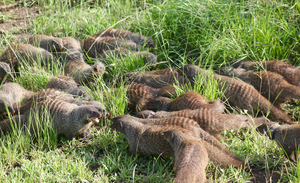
column 149, row 58
column 68, row 119
column 218, row 153
column 11, row 95
column 290, row 73
column 286, row 136
column 55, row 94
column 82, row 72
column 5, row 71
column 189, row 100
column 212, row 122
column 156, row 81
column 94, row 47
column 240, row 94
column 18, row 53
column 191, row 157
column 48, row 43
column 126, row 35
column 140, row 94
column 68, row 85
column 271, row 85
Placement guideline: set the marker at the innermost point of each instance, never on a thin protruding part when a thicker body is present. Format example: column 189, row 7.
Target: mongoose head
column 151, row 59
column 268, row 128
column 159, row 103
column 190, row 70
column 56, row 44
column 230, row 71
column 85, row 114
column 101, row 108
column 4, row 102
column 177, row 135
column 119, row 123
column 5, row 70
column 145, row 114
column 98, row 69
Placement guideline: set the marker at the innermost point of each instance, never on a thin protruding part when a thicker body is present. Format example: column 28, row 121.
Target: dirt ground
column 15, row 21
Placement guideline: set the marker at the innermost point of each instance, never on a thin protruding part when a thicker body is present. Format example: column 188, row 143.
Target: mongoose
column 72, row 49
column 48, row 43
column 121, row 33
column 149, row 58
column 271, row 85
column 189, row 100
column 11, row 94
column 156, row 81
column 145, row 114
column 68, row 119
column 55, row 94
column 167, row 71
column 68, row 85
column 19, row 53
column 191, row 157
column 290, row 73
column 286, row 136
column 140, row 94
column 82, row 72
column 95, row 47
column 218, row 153
column 5, row 71
column 240, row 94
column 212, row 122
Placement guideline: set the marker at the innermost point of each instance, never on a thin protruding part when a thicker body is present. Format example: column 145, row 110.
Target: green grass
column 203, row 32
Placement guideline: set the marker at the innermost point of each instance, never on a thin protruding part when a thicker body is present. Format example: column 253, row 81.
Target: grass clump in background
column 202, row 32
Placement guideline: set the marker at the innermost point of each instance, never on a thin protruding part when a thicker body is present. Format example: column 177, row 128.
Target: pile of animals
column 187, row 128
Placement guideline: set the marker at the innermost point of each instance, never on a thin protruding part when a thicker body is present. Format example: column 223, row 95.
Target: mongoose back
column 156, row 81
column 121, row 33
column 218, row 153
column 240, row 94
column 286, row 136
column 189, row 100
column 50, row 93
column 140, row 94
column 48, row 43
column 82, row 72
column 68, row 85
column 212, row 122
column 20, row 53
column 68, row 119
column 290, row 73
column 94, row 47
column 271, row 85
column 191, row 157
column 149, row 58
column 11, row 94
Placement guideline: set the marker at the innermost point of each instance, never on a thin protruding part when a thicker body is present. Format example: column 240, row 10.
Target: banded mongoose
column 212, row 122
column 11, row 95
column 55, row 94
column 240, row 94
column 286, row 136
column 5, row 71
column 156, row 81
column 271, row 85
column 72, row 50
column 191, row 157
column 68, row 119
column 82, row 72
column 218, row 153
column 189, row 100
column 290, row 73
column 94, row 47
column 68, row 85
column 126, row 35
column 26, row 53
column 48, row 43
column 140, row 94
column 147, row 57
